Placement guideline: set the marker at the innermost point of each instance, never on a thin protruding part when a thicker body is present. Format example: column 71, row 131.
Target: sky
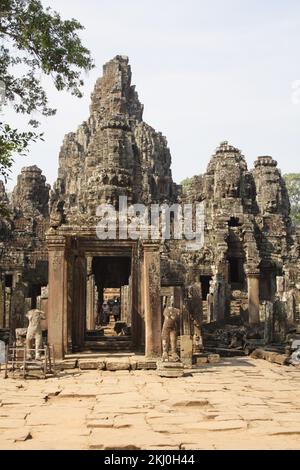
column 205, row 70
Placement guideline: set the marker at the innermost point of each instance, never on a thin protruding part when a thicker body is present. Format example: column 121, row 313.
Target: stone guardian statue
column 169, row 332
column 34, row 332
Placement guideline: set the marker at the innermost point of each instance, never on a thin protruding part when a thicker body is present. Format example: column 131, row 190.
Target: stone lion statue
column 169, row 332
column 34, row 332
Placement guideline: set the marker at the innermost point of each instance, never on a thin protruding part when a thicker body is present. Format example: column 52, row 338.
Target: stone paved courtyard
column 239, row 403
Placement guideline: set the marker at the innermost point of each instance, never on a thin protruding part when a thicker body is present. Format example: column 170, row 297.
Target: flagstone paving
column 240, row 403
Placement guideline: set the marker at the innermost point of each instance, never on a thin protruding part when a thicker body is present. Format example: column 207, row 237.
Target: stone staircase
column 107, row 340
column 205, row 311
column 111, row 344
column 235, row 307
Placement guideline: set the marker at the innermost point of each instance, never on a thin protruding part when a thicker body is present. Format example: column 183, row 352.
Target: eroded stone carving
column 34, row 331
column 169, row 332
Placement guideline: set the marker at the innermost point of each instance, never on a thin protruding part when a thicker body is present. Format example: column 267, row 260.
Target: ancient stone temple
column 24, row 255
column 53, row 258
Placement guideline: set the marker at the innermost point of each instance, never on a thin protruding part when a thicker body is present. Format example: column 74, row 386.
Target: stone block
column 170, row 369
column 147, row 365
column 257, row 354
column 133, row 364
column 270, row 356
column 213, row 358
column 85, row 364
column 65, row 365
column 117, row 364
column 201, row 360
column 282, row 359
column 186, row 349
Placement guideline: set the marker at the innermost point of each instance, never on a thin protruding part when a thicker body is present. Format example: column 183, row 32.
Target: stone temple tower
column 113, row 153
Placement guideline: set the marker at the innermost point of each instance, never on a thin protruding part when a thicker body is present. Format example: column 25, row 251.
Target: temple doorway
column 236, row 259
column 205, row 285
column 236, row 272
column 109, row 303
column 267, row 285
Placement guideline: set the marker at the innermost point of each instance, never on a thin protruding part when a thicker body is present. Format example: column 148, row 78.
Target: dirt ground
column 240, row 403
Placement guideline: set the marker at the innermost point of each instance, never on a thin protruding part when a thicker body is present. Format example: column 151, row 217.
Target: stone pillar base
column 170, row 369
column 186, row 349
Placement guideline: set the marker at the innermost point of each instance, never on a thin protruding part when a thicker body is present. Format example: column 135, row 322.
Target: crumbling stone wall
column 24, row 253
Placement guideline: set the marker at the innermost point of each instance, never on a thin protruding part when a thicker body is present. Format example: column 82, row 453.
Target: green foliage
column 186, row 183
column 35, row 41
column 12, row 141
column 292, row 181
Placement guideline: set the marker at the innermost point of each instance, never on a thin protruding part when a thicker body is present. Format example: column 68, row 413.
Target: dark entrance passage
column 205, row 284
column 267, row 287
column 236, row 273
column 111, row 273
column 109, row 304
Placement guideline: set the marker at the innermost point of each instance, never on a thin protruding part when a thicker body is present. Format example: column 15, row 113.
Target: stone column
column 90, row 295
column 210, row 304
column 221, row 275
column 253, row 297
column 136, row 307
column 125, row 305
column 79, row 302
column 219, row 297
column 291, row 306
column 151, row 289
column 269, row 322
column 129, row 302
column 44, row 306
column 280, row 286
column 57, row 301
column 8, row 306
column 1, row 304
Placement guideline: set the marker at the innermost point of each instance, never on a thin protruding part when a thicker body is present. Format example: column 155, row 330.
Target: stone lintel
column 151, row 245
column 253, row 274
column 55, row 241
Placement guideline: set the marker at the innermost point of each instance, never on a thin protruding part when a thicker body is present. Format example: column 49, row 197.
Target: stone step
column 236, row 306
column 115, row 339
column 225, row 352
column 112, row 346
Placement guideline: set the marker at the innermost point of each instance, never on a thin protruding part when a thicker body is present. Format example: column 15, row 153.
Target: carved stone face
column 271, row 193
column 227, row 180
column 271, row 206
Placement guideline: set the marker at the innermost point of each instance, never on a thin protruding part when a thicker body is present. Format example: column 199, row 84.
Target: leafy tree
column 293, row 186
column 186, row 183
column 34, row 41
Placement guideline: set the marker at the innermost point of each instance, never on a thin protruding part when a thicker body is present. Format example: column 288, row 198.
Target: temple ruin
column 247, row 272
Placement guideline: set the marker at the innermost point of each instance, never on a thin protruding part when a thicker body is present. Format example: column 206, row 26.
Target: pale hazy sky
column 205, row 70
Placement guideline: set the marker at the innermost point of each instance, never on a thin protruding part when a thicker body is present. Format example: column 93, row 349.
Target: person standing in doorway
column 105, row 312
column 116, row 309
